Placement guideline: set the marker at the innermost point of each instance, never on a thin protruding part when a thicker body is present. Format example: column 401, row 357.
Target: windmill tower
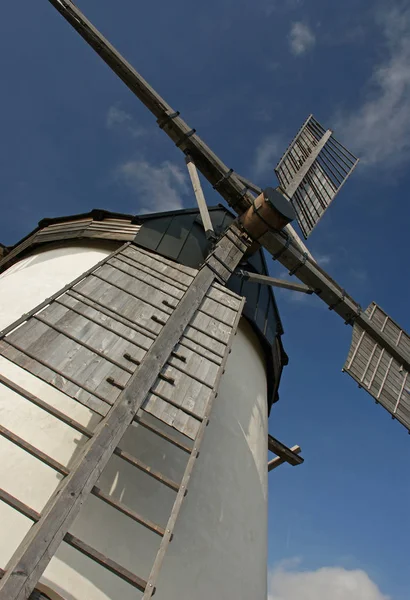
column 133, row 388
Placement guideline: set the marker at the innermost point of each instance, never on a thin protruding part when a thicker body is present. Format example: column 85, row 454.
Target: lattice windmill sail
column 383, row 375
column 141, row 340
column 312, row 171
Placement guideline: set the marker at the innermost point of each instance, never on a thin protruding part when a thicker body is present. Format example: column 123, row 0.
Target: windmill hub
column 270, row 210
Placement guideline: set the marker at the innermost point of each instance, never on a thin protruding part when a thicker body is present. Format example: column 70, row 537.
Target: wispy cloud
column 267, row 154
column 156, row 188
column 280, row 6
column 301, row 38
column 379, row 129
column 117, row 118
column 287, row 583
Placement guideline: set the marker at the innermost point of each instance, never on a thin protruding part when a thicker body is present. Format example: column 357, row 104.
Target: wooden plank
column 161, row 433
column 33, row 367
column 41, row 542
column 283, row 451
column 123, row 304
column 90, row 334
column 200, row 198
column 57, row 294
column 86, row 310
column 157, row 265
column 64, row 384
column 130, row 324
column 128, row 282
column 160, row 271
column 172, row 415
column 277, row 461
column 189, row 272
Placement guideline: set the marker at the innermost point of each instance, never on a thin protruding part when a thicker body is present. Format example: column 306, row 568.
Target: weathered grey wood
column 65, row 384
column 155, row 270
column 275, row 282
column 183, row 270
column 294, row 184
column 145, row 277
column 198, row 349
column 106, row 322
column 283, row 451
column 204, row 340
column 131, row 324
column 200, row 198
column 277, row 461
column 231, row 188
column 41, row 542
column 160, row 432
column 215, row 329
column 91, row 334
column 59, row 293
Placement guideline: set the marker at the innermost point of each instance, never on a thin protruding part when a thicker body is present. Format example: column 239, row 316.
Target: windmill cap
column 279, row 203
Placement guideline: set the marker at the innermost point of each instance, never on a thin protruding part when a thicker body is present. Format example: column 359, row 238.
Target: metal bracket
column 352, row 318
column 282, row 250
column 162, row 122
column 223, row 178
column 302, row 262
column 339, row 301
column 185, row 137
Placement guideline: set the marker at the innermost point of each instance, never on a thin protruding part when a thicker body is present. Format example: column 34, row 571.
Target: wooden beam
column 277, row 461
column 200, row 198
column 283, row 451
column 42, row 541
column 281, row 245
column 280, row 283
column 219, row 175
column 294, row 184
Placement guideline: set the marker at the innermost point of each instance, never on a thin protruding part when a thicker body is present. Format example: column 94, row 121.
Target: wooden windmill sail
column 311, row 172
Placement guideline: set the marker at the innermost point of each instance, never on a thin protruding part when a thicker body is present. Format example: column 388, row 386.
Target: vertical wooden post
column 200, row 198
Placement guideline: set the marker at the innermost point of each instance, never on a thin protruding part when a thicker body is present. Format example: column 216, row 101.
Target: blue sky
column 246, row 75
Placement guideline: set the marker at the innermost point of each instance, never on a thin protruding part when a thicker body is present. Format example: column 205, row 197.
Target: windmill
column 310, row 174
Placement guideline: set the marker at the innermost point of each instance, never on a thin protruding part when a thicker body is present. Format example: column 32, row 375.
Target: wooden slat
column 114, row 314
column 277, row 461
column 65, row 384
column 63, row 470
column 76, row 543
column 39, row 545
column 283, row 451
column 157, row 431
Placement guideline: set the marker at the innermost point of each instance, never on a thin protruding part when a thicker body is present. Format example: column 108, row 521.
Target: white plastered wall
column 220, row 543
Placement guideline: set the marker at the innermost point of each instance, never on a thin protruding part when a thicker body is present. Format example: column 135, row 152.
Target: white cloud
column 301, row 38
column 267, row 154
column 336, row 583
column 322, row 259
column 119, row 119
column 379, row 130
column 157, row 187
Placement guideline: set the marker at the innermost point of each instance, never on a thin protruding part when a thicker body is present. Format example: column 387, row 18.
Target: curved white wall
column 44, row 272
column 220, row 543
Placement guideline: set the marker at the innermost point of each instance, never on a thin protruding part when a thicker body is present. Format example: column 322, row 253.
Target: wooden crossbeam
column 277, row 461
column 280, row 283
column 286, row 454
